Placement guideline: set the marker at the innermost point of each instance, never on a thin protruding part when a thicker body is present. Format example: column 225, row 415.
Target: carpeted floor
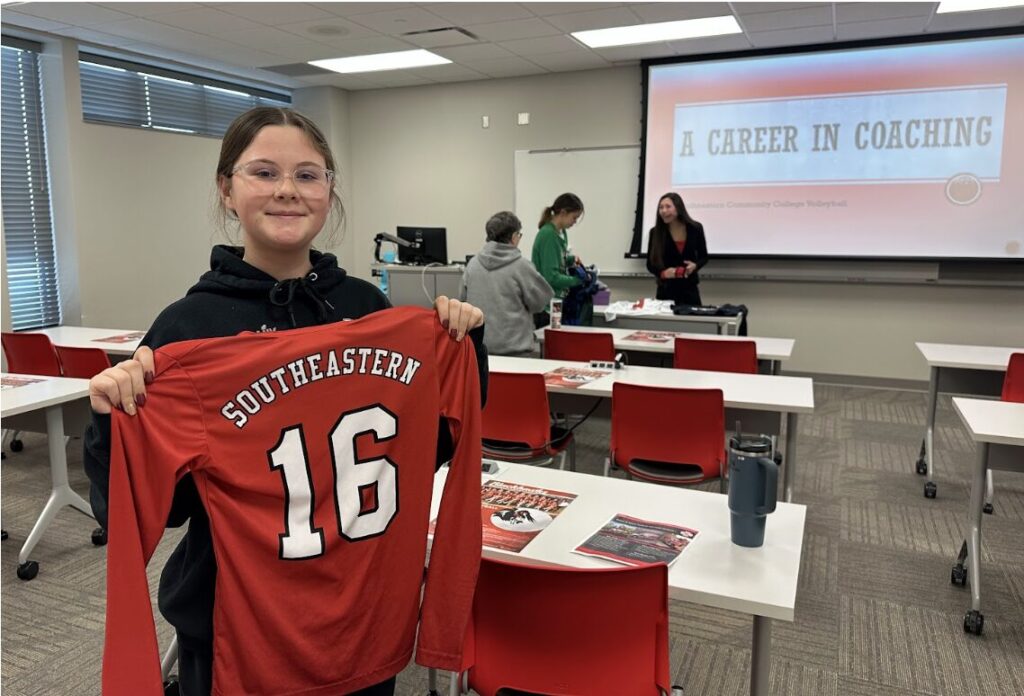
column 876, row 613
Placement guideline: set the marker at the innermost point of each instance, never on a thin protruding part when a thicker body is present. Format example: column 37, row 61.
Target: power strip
column 605, row 365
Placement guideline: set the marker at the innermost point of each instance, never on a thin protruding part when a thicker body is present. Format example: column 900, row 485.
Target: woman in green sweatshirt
column 551, row 247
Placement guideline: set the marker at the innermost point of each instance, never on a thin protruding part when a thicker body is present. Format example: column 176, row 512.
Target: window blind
column 122, row 92
column 32, row 279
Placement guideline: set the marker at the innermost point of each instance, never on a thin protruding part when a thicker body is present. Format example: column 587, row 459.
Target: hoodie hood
column 496, row 255
column 231, row 276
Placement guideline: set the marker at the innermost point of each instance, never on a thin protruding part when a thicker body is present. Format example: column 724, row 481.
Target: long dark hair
column 567, row 202
column 660, row 232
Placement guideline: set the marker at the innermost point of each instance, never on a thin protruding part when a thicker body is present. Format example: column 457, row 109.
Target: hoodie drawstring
column 288, row 288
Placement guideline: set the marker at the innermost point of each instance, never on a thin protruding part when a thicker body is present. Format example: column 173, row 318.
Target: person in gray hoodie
column 506, row 287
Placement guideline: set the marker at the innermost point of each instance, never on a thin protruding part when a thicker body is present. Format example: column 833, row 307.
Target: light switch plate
column 523, row 118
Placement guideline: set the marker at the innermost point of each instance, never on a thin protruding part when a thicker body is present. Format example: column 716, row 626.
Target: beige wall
column 134, row 222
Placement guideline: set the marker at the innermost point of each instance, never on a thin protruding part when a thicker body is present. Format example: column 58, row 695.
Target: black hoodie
column 230, row 298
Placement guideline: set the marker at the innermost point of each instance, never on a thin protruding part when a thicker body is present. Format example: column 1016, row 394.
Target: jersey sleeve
column 148, row 453
column 455, row 554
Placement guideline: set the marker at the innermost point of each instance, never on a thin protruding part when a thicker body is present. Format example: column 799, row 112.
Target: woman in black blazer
column 676, row 250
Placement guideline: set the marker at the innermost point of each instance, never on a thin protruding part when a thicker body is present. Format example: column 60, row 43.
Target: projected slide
column 901, row 151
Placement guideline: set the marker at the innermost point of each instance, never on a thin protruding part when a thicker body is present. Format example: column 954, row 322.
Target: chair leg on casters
column 989, row 491
column 607, row 465
column 572, row 455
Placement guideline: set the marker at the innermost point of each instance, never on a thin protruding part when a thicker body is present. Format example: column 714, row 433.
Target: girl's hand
column 123, row 385
column 458, row 317
column 690, row 267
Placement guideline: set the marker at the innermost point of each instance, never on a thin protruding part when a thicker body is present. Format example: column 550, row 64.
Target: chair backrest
column 581, row 346
column 718, row 356
column 569, row 631
column 517, row 409
column 1013, row 383
column 668, row 426
column 84, row 363
column 31, row 354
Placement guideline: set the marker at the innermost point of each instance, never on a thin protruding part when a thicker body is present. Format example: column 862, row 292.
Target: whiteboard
column 605, row 178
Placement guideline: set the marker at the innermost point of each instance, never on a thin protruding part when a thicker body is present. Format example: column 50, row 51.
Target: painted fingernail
column 444, row 323
column 149, row 377
column 129, row 408
column 453, row 333
column 141, row 399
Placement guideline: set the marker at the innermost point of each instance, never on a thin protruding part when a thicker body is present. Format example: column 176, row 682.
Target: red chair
column 83, row 363
column 1013, row 383
column 667, row 435
column 580, row 346
column 562, row 631
column 716, row 356
column 30, row 354
column 517, row 423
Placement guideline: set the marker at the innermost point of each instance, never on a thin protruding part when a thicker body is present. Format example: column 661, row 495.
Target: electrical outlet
column 485, row 121
column 523, row 118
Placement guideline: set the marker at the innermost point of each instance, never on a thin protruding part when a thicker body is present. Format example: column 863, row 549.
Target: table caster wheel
column 988, row 509
column 930, row 489
column 433, row 692
column 3, row 535
column 28, row 570
column 959, row 575
column 974, row 622
column 172, row 687
column 99, row 537
column 17, row 445
column 921, row 467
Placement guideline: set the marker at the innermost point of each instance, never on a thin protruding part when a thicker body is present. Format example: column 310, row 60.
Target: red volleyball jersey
column 313, row 452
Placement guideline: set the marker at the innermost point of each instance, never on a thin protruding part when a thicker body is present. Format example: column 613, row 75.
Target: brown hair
column 243, row 131
column 567, row 202
column 660, row 232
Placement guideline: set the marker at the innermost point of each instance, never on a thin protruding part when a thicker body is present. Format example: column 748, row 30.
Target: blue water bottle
column 753, row 484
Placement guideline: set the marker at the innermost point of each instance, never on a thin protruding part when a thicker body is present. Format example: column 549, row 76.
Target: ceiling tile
column 811, row 16
column 448, row 73
column 92, row 36
column 599, row 19
column 399, row 78
column 206, row 21
column 274, row 13
column 463, row 13
column 957, row 21
column 868, row 11
column 616, row 54
column 791, row 37
column 888, row 27
column 368, row 45
column 397, row 22
column 328, row 31
column 572, row 60
column 339, row 80
column 244, row 55
column 516, row 29
column 344, row 9
column 711, row 44
column 673, row 11
column 71, row 13
column 146, row 30
column 543, row 9
column 507, row 67
column 31, row 21
column 268, row 39
column 543, row 44
column 150, row 9
column 469, row 54
column 302, row 52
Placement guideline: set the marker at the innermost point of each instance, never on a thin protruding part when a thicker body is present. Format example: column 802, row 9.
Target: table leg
column 776, row 366
column 61, row 494
column 974, row 528
column 761, row 656
column 790, row 461
column 929, row 434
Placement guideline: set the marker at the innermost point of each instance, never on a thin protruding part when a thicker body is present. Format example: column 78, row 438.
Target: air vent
column 441, row 37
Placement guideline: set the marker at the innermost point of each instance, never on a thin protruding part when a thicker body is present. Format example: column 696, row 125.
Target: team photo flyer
column 513, row 514
column 633, row 541
column 651, row 336
column 121, row 338
column 10, row 382
column 572, row 377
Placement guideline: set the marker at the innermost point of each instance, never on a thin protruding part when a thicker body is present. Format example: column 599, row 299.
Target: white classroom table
column 998, row 429
column 667, row 321
column 52, row 405
column 713, row 572
column 87, row 337
column 771, row 350
column 958, row 369
column 754, row 400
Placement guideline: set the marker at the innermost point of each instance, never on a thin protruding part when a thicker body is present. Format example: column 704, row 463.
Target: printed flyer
column 633, row 541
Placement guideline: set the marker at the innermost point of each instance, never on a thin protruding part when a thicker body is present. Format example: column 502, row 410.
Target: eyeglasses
column 310, row 181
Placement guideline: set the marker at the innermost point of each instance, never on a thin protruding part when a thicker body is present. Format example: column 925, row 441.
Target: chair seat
column 521, row 452
column 666, row 472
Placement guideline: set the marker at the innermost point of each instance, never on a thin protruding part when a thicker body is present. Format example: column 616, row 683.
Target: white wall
column 133, row 210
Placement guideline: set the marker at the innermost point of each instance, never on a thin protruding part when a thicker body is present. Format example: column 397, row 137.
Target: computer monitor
column 433, row 245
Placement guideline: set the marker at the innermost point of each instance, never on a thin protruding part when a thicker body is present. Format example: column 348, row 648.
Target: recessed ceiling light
column 660, row 31
column 975, row 5
column 381, row 61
